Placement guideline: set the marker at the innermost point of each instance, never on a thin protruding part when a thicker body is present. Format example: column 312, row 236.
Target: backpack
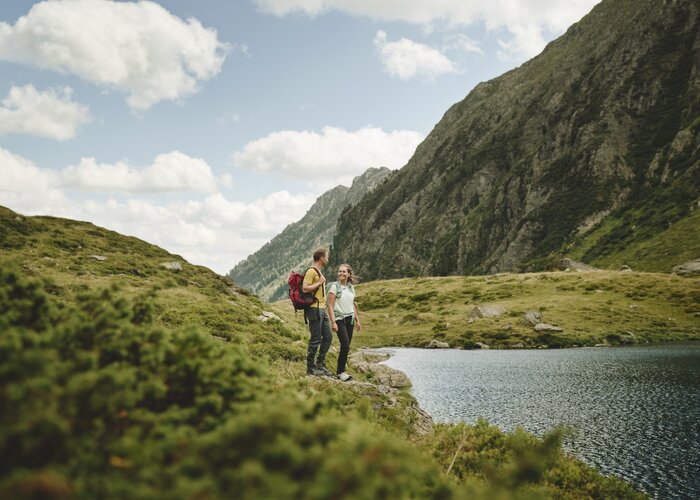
column 300, row 300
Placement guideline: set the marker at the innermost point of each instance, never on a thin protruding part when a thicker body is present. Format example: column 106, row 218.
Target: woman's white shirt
column 344, row 300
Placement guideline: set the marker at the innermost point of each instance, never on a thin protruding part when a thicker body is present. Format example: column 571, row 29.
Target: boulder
column 519, row 345
column 267, row 316
column 481, row 345
column 565, row 264
column 384, row 375
column 367, row 357
column 625, row 269
column 544, row 327
column 487, row 312
column 172, row 266
column 436, row 344
column 98, row 257
column 690, row 268
column 532, row 318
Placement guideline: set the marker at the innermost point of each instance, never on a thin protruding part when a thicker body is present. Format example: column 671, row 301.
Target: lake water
column 636, row 410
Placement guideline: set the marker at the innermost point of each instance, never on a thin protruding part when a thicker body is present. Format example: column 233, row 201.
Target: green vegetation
column 596, row 307
column 120, row 378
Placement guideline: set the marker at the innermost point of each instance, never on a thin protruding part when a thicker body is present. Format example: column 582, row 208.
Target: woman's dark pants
column 345, row 328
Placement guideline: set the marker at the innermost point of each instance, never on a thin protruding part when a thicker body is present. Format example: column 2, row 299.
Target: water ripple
column 635, row 411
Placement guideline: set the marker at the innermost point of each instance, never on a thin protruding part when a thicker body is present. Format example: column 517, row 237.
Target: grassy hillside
column 644, row 245
column 122, row 378
column 596, row 307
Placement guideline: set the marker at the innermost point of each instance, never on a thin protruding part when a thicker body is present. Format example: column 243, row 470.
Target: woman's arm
column 357, row 317
column 331, row 313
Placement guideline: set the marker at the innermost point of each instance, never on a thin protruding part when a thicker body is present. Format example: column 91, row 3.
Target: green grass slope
column 595, row 307
column 641, row 241
column 121, row 378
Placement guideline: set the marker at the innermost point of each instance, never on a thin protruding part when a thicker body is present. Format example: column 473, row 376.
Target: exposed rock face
column 532, row 318
column 266, row 271
column 576, row 266
column 602, row 126
column 545, row 327
column 172, row 266
column 437, row 344
column 487, row 312
column 267, row 316
column 691, row 268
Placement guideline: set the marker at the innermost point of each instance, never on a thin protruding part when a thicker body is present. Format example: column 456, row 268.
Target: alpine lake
column 634, row 412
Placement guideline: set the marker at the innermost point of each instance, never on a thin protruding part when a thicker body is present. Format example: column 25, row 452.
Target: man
column 319, row 325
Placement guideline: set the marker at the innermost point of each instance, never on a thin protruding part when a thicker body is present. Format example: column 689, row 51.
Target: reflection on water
column 636, row 410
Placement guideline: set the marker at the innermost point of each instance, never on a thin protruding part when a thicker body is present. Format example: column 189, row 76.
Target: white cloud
column 50, row 113
column 172, row 171
column 462, row 43
column 137, row 48
column 524, row 20
column 407, row 59
column 331, row 157
column 212, row 231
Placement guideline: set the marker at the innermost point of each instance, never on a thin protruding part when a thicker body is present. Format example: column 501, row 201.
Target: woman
column 342, row 312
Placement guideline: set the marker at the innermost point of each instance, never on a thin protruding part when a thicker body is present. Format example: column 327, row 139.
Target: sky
column 206, row 127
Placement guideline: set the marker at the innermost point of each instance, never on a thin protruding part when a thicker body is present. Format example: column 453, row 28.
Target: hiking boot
column 323, row 371
column 313, row 371
column 344, row 376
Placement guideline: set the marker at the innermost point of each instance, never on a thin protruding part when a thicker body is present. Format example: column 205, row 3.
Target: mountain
column 591, row 149
column 265, row 272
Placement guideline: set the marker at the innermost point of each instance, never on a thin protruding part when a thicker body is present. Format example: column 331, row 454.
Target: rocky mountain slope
column 265, row 272
column 590, row 149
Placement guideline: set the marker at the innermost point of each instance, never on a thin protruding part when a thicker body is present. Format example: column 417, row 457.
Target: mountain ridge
column 603, row 123
column 265, row 272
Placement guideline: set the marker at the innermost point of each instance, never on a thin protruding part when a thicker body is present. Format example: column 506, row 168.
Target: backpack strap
column 323, row 288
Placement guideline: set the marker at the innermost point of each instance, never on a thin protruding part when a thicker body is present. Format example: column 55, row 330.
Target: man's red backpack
column 300, row 300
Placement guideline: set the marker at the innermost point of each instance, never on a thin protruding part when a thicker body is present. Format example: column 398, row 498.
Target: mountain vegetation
column 589, row 150
column 591, row 308
column 266, row 271
column 126, row 372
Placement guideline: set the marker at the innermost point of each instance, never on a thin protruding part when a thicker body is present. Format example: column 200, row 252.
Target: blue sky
column 206, row 127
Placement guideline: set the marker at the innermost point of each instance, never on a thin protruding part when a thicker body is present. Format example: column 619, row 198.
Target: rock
column 532, row 318
column 544, row 327
column 519, row 345
column 172, row 266
column 368, row 357
column 602, row 345
column 470, row 321
column 436, row 344
column 98, row 257
column 625, row 269
column 487, row 312
column 389, row 397
column 19, row 219
column 565, row 264
column 267, row 316
column 481, row 345
column 691, row 268
column 384, row 375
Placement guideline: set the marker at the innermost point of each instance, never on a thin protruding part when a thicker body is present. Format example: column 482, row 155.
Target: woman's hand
column 357, row 324
column 334, row 326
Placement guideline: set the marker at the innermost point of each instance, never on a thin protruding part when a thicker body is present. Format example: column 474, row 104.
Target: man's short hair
column 319, row 253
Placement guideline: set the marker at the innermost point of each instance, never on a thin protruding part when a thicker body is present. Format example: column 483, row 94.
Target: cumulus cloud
column 331, row 157
column 407, row 59
column 137, row 48
column 525, row 21
column 211, row 230
column 50, row 113
column 172, row 171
